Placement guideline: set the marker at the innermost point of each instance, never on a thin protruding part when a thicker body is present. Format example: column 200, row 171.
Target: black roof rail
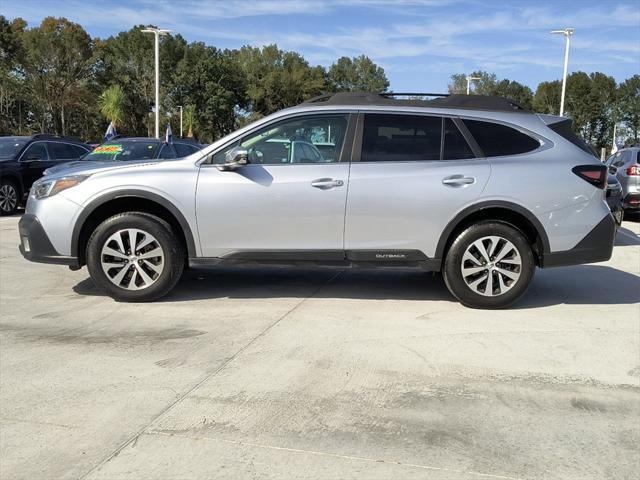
column 465, row 102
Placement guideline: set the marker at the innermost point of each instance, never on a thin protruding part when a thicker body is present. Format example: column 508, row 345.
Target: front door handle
column 458, row 181
column 326, row 183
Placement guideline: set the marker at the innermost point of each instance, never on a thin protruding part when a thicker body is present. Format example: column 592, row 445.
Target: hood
column 88, row 166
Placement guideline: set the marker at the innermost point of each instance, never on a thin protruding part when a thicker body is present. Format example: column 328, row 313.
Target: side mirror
column 235, row 158
column 613, row 170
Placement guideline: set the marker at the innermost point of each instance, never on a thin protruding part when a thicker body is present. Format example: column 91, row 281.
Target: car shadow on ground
column 578, row 285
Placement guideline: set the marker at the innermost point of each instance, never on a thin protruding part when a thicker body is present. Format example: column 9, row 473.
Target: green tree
column 58, row 62
column 190, row 119
column 111, row 104
column 628, row 106
column 357, row 74
column 484, row 86
column 277, row 79
column 547, row 98
column 212, row 82
column 521, row 94
column 12, row 94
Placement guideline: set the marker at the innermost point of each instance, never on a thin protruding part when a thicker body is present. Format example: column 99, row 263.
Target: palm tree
column 190, row 119
column 111, row 104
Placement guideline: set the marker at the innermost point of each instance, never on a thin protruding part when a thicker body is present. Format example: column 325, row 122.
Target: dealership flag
column 169, row 134
column 615, row 147
column 111, row 132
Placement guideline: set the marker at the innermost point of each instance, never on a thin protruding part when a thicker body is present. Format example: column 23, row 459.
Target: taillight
column 634, row 170
column 596, row 175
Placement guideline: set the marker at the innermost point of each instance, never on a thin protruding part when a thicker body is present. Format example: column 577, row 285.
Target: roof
column 470, row 102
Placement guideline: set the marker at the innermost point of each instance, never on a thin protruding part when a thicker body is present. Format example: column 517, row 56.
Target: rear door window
column 455, row 145
column 388, row 138
column 497, row 140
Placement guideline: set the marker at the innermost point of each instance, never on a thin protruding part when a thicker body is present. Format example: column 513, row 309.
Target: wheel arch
column 15, row 178
column 128, row 201
column 501, row 211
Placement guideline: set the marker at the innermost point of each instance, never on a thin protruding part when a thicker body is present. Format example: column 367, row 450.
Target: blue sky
column 419, row 43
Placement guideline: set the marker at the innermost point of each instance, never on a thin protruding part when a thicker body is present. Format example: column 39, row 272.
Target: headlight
column 47, row 188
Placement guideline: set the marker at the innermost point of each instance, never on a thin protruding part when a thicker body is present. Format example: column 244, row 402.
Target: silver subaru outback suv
column 474, row 187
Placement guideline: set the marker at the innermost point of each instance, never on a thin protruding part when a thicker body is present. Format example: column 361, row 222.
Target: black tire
column 456, row 283
column 174, row 256
column 9, row 197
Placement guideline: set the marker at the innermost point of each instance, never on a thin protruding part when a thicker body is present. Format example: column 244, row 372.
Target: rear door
column 408, row 178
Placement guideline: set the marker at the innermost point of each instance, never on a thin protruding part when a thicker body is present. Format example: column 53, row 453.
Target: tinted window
column 307, row 139
column 564, row 128
column 167, row 152
column 61, row 151
column 35, row 151
column 401, row 138
column 184, row 150
column 455, row 146
column 495, row 139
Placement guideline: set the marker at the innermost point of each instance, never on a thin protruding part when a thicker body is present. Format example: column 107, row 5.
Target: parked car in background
column 614, row 198
column 473, row 186
column 24, row 159
column 132, row 149
column 626, row 168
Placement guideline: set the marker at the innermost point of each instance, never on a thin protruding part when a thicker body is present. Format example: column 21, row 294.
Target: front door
column 414, row 173
column 288, row 202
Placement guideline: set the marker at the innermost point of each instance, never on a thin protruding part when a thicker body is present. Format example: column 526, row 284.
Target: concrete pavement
column 319, row 373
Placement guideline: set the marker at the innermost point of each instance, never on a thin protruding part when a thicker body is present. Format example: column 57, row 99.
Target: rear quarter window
column 497, row 140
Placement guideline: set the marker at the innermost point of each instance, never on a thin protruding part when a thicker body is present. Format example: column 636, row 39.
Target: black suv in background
column 24, row 159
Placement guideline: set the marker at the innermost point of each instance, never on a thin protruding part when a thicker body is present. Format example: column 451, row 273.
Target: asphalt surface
column 319, row 373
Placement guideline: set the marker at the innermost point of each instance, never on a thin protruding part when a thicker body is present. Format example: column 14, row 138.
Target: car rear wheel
column 8, row 197
column 135, row 257
column 489, row 265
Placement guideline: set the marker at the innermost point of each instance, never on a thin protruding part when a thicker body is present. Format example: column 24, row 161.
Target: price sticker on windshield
column 108, row 149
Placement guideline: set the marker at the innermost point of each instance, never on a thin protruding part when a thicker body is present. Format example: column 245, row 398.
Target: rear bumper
column 597, row 246
column 35, row 245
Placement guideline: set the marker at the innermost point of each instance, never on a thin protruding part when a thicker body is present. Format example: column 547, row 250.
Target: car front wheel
column 8, row 197
column 489, row 265
column 135, row 257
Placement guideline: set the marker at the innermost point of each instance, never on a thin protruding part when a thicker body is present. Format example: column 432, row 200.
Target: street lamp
column 567, row 32
column 157, row 32
column 180, row 107
column 469, row 80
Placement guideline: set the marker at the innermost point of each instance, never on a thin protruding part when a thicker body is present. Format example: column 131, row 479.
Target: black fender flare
column 472, row 209
column 94, row 204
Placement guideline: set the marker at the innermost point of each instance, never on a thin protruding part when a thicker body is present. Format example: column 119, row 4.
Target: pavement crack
column 134, row 438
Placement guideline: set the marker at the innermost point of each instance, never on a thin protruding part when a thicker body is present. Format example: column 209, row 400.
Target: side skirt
column 325, row 258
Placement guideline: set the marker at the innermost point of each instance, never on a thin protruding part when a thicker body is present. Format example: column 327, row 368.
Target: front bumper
column 597, row 246
column 35, row 245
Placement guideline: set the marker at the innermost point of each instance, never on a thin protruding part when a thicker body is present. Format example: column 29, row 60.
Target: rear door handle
column 326, row 183
column 458, row 181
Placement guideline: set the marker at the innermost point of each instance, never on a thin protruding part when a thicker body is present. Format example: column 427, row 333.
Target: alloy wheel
column 132, row 259
column 8, row 198
column 491, row 266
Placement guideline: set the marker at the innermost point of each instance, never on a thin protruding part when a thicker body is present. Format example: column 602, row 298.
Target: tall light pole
column 469, row 80
column 567, row 32
column 180, row 107
column 157, row 32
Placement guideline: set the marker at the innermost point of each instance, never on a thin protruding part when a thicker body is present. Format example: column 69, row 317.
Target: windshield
column 124, row 151
column 10, row 146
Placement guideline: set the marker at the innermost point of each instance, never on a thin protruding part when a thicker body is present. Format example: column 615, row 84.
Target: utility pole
column 157, row 32
column 180, row 107
column 469, row 80
column 567, row 32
